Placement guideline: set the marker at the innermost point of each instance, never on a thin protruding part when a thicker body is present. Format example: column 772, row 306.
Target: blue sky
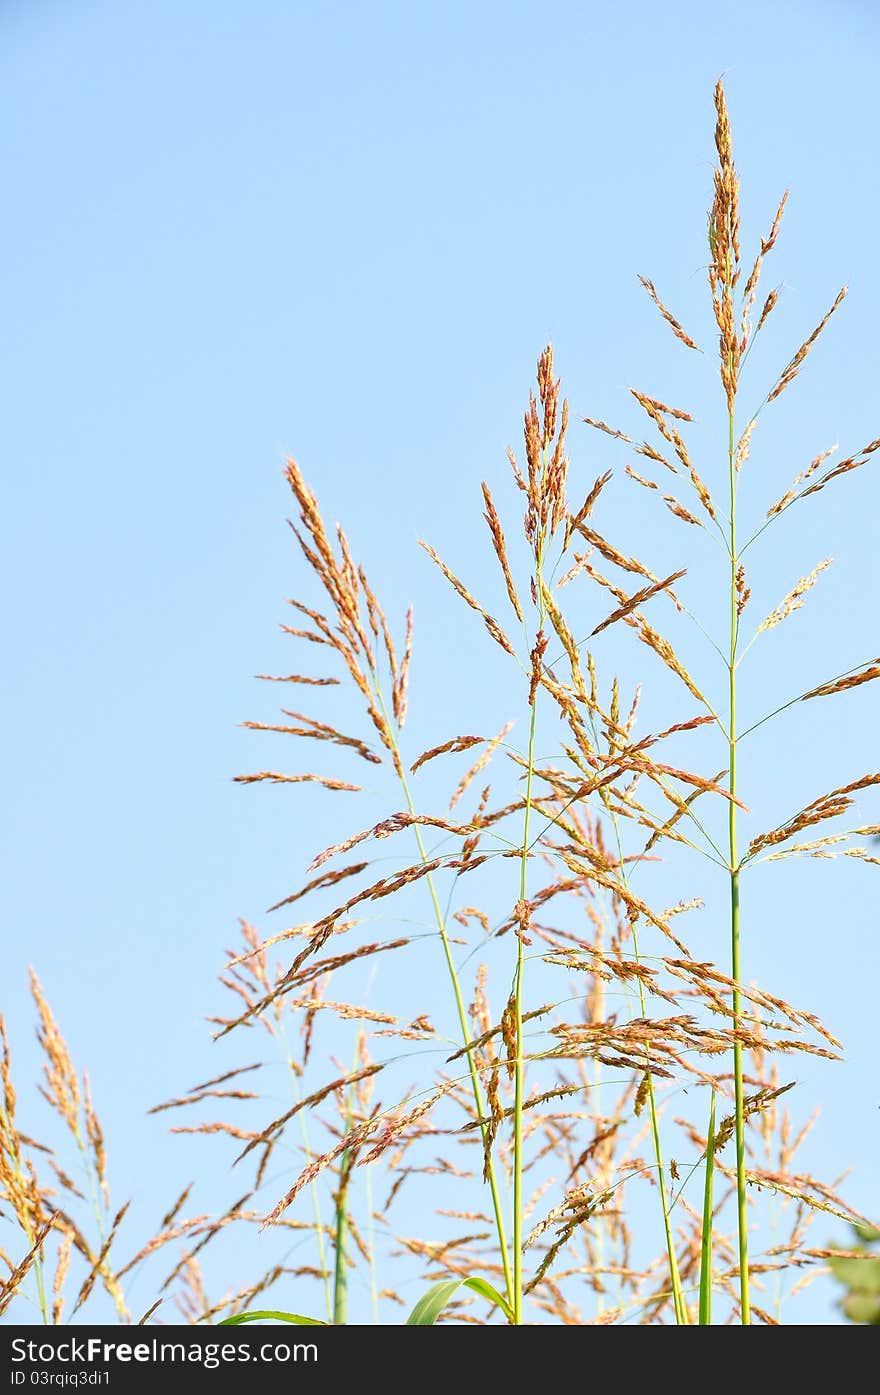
column 345, row 232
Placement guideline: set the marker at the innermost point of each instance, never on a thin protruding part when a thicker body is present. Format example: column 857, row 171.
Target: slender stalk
column 519, row 1069
column 371, row 1229
column 340, row 1280
column 313, row 1187
column 735, row 967
column 459, row 1003
column 706, row 1247
column 93, row 1185
column 681, row 1312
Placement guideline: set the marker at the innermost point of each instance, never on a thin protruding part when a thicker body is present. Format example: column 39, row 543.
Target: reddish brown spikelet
column 480, row 763
column 278, row 779
column 586, row 507
column 769, row 305
column 794, row 600
column 500, row 546
column 545, row 456
column 63, row 1090
column 611, row 554
column 751, row 286
column 668, row 317
column 62, row 1265
column 537, row 657
column 402, row 679
column 639, row 479
column 9, row 1286
column 458, row 743
column 95, row 1136
column 743, row 445
column 676, row 507
column 509, row 1036
column 852, row 680
column 794, row 366
column 491, row 624
column 609, row 430
column 663, row 649
column 742, row 591
column 522, row 913
column 657, row 411
column 297, row 678
column 637, row 599
column 99, row 1268
column 318, row 731
column 827, row 806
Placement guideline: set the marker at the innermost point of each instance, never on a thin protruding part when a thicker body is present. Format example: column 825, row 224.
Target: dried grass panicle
column 62, row 1089
column 724, row 249
column 349, row 592
column 547, row 462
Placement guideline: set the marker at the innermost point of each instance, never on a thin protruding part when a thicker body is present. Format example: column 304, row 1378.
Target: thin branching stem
column 681, row 1312
column 459, row 1002
column 735, row 967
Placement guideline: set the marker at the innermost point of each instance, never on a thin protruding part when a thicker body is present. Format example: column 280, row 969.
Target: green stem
column 519, row 1069
column 313, row 1186
column 340, row 1282
column 681, row 1312
column 460, row 1008
column 706, row 1245
column 742, row 1219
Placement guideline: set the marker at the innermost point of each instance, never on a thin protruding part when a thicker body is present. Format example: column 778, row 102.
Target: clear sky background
column 344, row 232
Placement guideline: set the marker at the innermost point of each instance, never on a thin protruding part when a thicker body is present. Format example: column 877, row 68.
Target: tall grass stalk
column 706, row 1241
column 519, row 1066
column 735, row 958
column 440, row 920
column 678, row 1298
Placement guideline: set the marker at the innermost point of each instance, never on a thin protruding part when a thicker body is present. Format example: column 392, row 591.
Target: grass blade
column 269, row 1315
column 431, row 1304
